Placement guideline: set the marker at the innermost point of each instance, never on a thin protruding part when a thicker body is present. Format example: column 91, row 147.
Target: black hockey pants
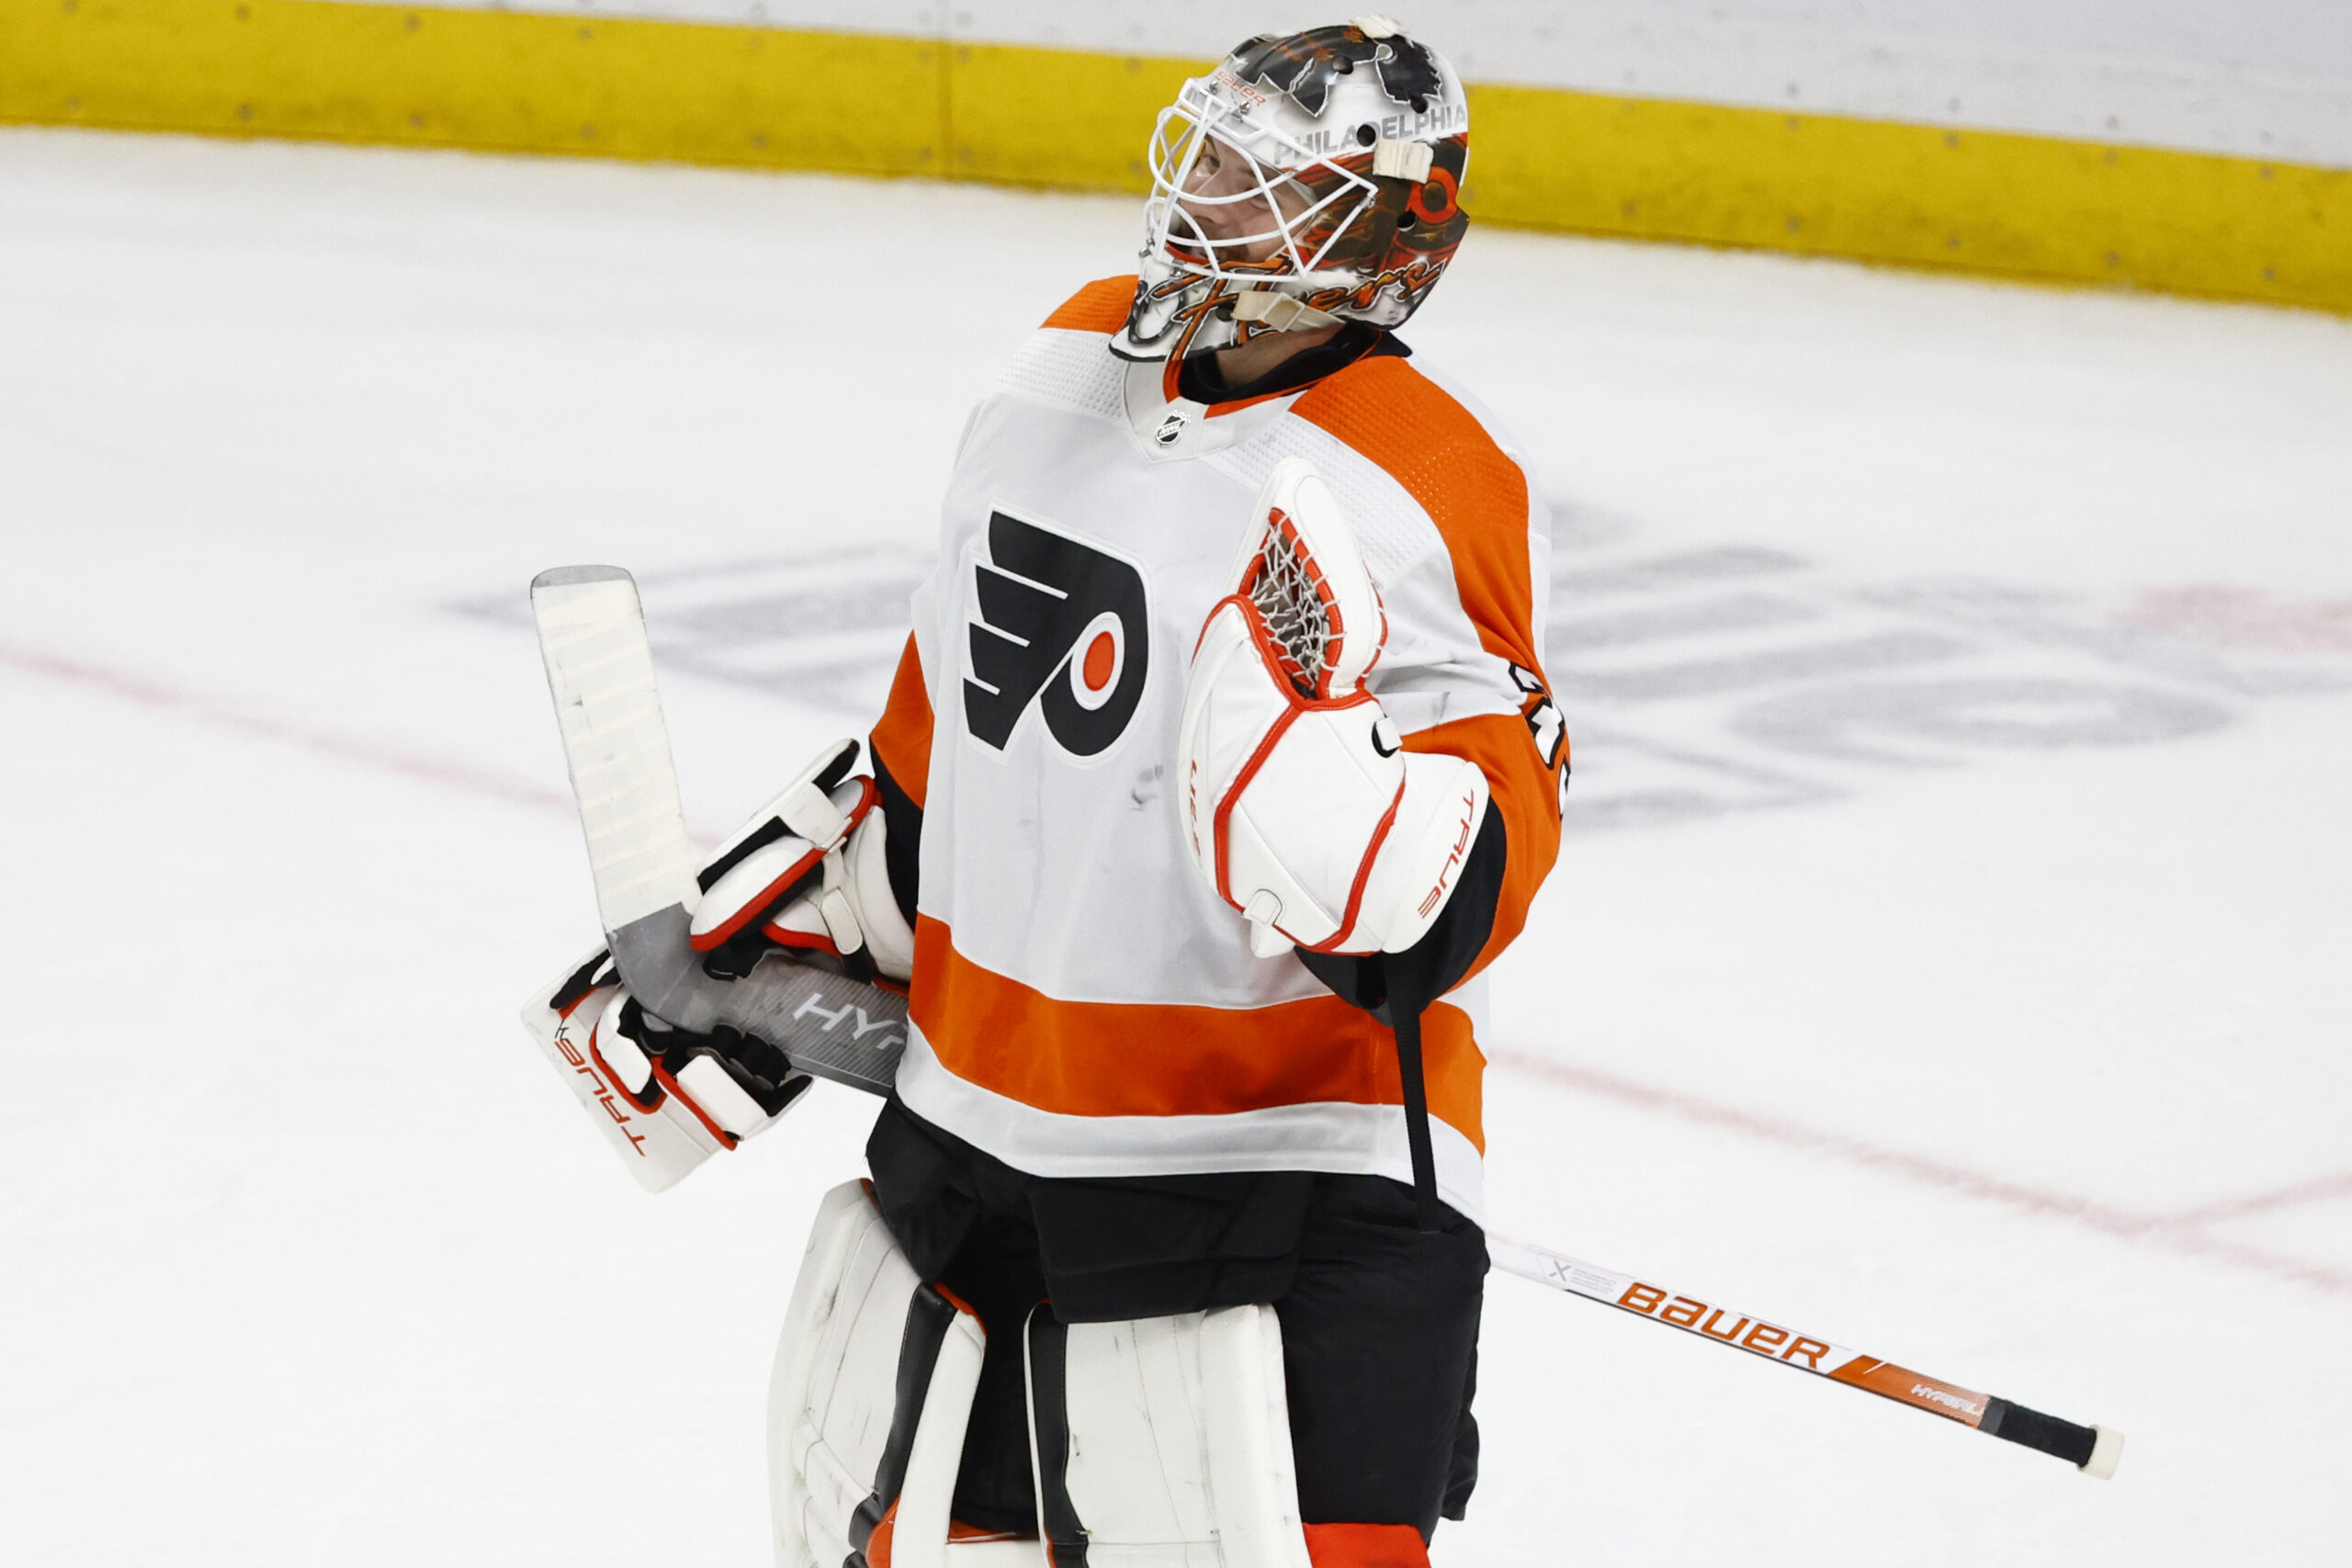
column 1380, row 1318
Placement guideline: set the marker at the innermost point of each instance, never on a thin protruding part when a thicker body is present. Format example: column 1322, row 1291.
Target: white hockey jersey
column 1082, row 1004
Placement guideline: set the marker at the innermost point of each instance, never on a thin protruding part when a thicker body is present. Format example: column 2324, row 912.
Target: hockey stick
column 2092, row 1450
column 600, row 672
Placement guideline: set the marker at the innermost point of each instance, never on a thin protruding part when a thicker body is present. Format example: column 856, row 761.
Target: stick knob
column 2093, row 1451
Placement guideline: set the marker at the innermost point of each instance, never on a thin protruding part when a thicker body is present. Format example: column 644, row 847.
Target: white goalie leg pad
column 873, row 1388
column 1164, row 1442
column 658, row 1140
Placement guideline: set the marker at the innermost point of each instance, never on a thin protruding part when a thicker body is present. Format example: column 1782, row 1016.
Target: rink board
column 877, row 104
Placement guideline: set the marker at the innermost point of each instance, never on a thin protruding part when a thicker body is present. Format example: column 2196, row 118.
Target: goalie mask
column 1310, row 179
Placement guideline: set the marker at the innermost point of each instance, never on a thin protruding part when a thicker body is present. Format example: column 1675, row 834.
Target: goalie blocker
column 789, row 942
column 802, row 883
column 665, row 1099
column 787, row 949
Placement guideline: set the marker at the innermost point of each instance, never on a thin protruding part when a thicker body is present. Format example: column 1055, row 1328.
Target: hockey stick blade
column 617, row 746
column 2092, row 1450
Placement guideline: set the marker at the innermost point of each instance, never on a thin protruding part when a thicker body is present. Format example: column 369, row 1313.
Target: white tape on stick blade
column 600, row 672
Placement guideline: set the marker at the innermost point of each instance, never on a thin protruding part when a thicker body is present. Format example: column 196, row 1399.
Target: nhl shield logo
column 1057, row 623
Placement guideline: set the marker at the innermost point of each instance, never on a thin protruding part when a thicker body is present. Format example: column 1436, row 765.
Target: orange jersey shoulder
column 901, row 738
column 1446, row 459
column 1100, row 306
column 1415, row 431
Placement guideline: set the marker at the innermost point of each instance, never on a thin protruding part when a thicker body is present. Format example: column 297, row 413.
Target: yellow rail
column 504, row 81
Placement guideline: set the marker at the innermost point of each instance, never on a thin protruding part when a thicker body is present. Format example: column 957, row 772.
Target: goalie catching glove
column 808, row 874
column 1300, row 804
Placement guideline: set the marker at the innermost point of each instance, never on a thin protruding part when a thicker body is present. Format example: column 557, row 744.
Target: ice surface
column 1947, row 953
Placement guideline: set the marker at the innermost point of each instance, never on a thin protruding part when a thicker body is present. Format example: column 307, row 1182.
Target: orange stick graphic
column 2092, row 1450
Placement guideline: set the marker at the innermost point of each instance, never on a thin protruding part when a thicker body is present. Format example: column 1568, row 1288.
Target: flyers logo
column 1060, row 624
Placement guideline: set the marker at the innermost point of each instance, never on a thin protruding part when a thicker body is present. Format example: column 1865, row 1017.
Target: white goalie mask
column 1311, row 178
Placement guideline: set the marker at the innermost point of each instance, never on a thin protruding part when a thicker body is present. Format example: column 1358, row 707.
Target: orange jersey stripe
column 1100, row 306
column 902, row 737
column 1436, row 449
column 1172, row 1059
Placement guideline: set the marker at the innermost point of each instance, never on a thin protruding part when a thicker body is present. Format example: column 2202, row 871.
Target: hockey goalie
column 1217, row 767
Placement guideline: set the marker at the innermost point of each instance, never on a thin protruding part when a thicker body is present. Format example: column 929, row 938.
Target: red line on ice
column 2176, row 1232
column 152, row 694
column 2181, row 1233
column 2317, row 1189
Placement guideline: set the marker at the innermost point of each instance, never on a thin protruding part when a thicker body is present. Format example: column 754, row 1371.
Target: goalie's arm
column 1518, row 842
column 1523, row 755
column 901, row 748
column 1465, row 674
column 1491, row 895
column 828, row 868
column 1443, row 957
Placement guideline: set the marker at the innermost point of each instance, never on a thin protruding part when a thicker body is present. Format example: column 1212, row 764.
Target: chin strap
column 1282, row 312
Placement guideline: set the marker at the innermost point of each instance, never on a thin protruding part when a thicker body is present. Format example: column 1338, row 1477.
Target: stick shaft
column 1758, row 1336
column 2089, row 1448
